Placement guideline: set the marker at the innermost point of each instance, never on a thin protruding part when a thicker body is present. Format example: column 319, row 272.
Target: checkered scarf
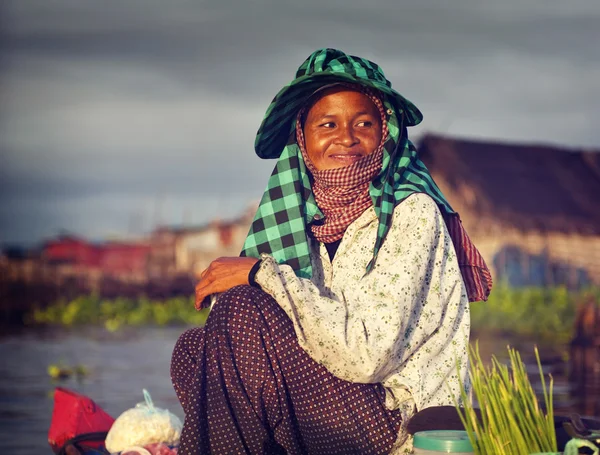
column 288, row 207
column 343, row 193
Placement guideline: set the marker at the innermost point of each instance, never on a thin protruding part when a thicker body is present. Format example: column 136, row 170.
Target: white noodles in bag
column 143, row 425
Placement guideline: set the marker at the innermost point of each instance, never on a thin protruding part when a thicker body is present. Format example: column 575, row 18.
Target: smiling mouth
column 353, row 154
column 345, row 157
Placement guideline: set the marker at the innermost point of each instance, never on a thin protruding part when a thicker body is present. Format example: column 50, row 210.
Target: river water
column 123, row 363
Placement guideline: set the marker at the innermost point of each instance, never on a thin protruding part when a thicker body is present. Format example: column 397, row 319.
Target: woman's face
column 341, row 127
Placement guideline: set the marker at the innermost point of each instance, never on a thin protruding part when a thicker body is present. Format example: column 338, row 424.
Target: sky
column 119, row 115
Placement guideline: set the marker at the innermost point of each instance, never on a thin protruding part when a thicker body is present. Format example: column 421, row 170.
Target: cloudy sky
column 116, row 115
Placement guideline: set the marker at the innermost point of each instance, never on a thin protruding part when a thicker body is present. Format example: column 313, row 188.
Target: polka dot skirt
column 247, row 387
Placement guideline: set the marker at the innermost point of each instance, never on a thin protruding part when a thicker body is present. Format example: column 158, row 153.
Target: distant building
column 75, row 256
column 158, row 267
column 161, row 259
column 19, row 264
column 168, row 252
column 533, row 211
column 125, row 260
column 192, row 249
column 70, row 249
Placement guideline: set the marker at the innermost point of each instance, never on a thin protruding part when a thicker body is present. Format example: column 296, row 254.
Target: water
column 121, row 364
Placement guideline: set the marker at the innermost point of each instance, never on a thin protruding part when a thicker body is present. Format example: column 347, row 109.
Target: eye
column 327, row 125
column 366, row 123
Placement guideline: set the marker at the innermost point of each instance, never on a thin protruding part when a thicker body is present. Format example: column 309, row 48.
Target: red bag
column 77, row 415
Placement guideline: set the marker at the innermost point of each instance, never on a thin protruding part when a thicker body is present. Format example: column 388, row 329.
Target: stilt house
column 533, row 211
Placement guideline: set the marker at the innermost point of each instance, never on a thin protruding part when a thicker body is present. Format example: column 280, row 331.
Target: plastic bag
column 151, row 449
column 573, row 446
column 143, row 425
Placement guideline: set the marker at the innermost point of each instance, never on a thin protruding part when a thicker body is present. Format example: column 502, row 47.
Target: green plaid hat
column 322, row 67
column 281, row 224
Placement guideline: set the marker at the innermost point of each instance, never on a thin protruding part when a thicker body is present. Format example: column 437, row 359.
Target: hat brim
column 278, row 123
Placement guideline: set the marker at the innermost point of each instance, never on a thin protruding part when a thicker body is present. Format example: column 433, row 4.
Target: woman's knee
column 243, row 309
column 242, row 302
column 243, row 292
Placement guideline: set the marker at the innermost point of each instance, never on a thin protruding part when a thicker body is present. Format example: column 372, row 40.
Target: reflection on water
column 122, row 364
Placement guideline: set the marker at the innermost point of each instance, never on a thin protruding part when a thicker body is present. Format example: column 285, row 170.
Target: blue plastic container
column 435, row 442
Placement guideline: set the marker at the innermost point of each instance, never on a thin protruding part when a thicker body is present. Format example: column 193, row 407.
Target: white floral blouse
column 404, row 325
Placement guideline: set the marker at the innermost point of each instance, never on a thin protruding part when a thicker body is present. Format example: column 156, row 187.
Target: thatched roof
column 539, row 188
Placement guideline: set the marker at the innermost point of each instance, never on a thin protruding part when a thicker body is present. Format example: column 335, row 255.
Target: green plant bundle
column 511, row 421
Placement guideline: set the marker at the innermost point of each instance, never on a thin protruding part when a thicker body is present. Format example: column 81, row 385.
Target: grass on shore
column 546, row 314
column 86, row 310
column 543, row 313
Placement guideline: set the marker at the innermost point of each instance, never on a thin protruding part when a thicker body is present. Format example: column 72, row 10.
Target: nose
column 346, row 136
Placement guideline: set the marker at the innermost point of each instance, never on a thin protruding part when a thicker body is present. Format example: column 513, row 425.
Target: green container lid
column 448, row 441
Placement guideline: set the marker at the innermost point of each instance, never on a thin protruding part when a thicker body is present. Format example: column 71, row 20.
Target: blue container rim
column 447, row 441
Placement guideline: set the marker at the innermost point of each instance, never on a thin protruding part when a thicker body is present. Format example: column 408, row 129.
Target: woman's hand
column 223, row 274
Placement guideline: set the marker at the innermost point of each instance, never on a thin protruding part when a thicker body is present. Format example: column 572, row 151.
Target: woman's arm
column 408, row 315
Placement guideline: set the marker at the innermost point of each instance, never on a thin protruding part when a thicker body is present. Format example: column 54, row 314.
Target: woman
column 347, row 311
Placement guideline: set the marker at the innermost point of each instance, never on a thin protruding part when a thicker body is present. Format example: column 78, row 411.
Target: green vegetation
column 546, row 314
column 119, row 312
column 512, row 421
